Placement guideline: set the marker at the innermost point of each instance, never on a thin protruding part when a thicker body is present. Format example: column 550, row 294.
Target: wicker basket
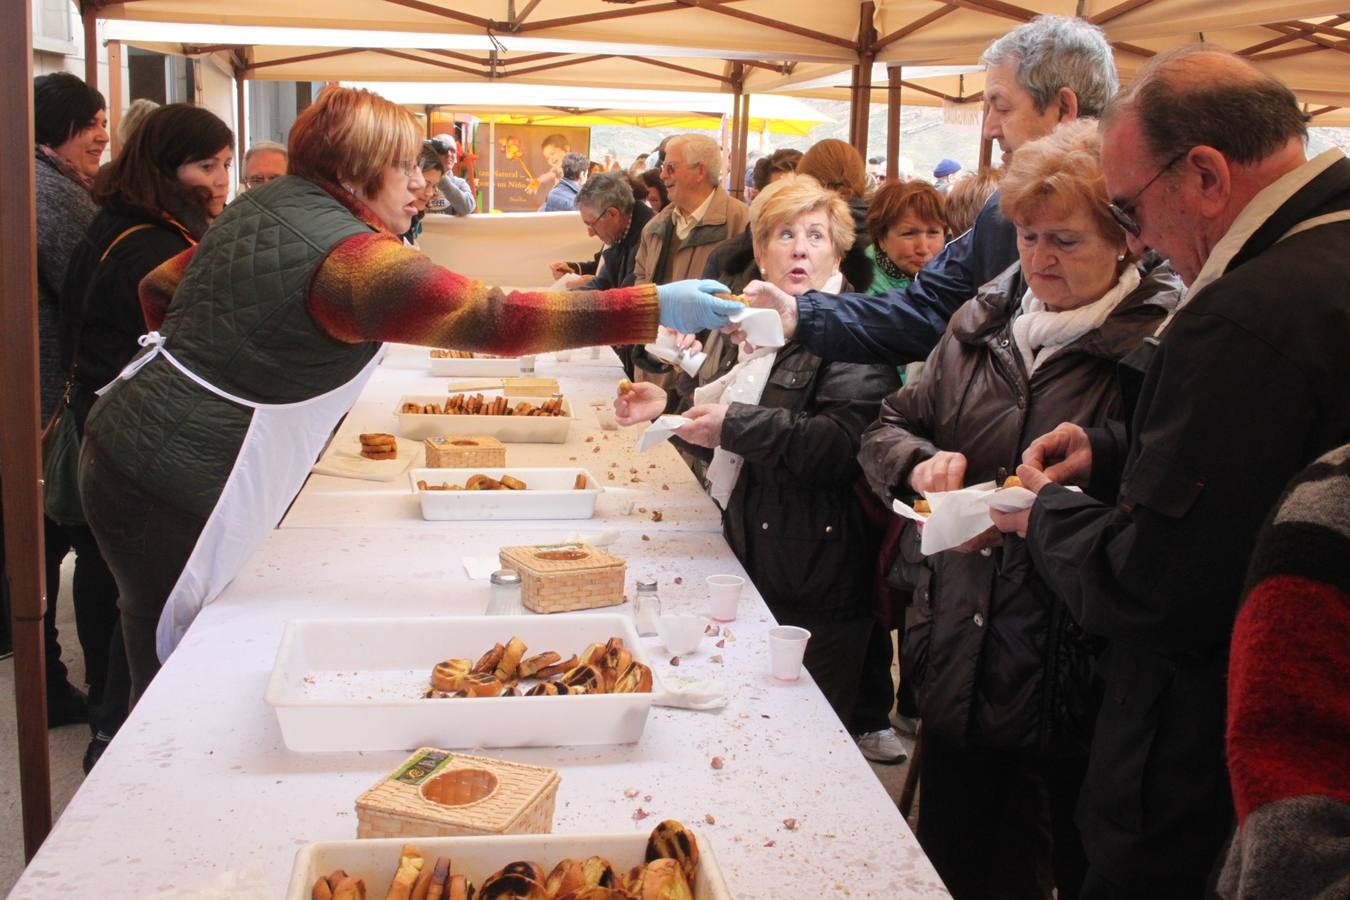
column 562, row 577
column 530, row 387
column 467, row 452
column 436, row 792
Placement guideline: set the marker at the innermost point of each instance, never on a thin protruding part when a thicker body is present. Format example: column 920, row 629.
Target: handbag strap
column 125, row 234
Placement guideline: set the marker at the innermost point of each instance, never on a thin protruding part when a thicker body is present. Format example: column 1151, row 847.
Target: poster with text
column 527, row 161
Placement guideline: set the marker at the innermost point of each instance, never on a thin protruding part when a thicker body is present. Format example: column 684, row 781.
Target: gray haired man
column 457, row 192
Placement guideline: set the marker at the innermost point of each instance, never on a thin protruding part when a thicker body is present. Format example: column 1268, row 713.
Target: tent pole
column 114, row 92
column 90, row 22
column 893, row 76
column 492, row 165
column 862, row 77
column 19, row 409
column 739, row 121
column 426, row 111
column 241, row 118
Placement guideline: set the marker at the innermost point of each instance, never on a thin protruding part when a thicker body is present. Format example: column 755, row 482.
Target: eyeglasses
column 592, row 222
column 259, row 180
column 404, row 167
column 670, row 168
column 1123, row 211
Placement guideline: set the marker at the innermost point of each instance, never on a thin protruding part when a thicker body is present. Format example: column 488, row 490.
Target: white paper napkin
column 688, row 693
column 660, row 430
column 594, row 538
column 960, row 515
column 762, row 327
column 689, row 362
column 344, row 460
column 480, row 568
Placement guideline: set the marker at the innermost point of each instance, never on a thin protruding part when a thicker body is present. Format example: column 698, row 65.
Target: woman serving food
column 782, row 431
column 263, row 335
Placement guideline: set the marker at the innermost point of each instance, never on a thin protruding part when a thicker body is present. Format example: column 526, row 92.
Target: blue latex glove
column 689, row 306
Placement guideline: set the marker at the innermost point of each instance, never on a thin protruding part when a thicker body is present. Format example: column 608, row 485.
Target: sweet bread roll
column 525, row 868
column 379, row 445
column 625, row 386
column 593, row 654
column 478, row 684
column 530, row 667
column 599, row 872
column 557, row 668
column 380, row 454
column 922, row 508
column 734, row 298
column 636, row 679
column 459, row 888
column 487, row 663
column 580, row 483
column 587, row 678
column 671, row 840
column 506, row 667
column 448, row 675
column 663, row 879
column 512, row 484
column 505, row 885
column 1011, row 481
column 349, row 888
column 565, row 877
column 595, row 892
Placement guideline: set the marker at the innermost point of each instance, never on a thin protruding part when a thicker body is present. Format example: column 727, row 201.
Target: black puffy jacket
column 995, row 659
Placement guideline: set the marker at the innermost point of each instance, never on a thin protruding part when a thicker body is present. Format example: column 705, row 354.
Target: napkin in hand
column 957, row 517
column 660, row 430
column 688, row 693
column 762, row 327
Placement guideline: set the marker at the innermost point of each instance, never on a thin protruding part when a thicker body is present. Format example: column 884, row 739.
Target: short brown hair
column 837, row 166
column 896, row 198
column 351, row 136
column 789, row 197
column 967, row 196
column 1060, row 171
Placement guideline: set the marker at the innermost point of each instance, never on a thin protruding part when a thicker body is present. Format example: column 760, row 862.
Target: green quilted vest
column 238, row 321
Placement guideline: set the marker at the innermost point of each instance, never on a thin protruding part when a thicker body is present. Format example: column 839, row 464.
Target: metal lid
column 506, row 576
column 646, row 584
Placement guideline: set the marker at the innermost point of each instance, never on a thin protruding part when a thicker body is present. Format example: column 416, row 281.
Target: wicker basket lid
column 547, row 559
column 464, row 442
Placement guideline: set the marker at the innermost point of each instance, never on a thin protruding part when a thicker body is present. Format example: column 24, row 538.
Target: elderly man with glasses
column 265, row 161
column 699, row 218
column 1242, row 387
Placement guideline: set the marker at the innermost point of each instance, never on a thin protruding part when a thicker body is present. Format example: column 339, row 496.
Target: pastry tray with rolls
column 374, row 860
column 358, row 684
column 503, row 366
column 549, row 493
column 507, row 429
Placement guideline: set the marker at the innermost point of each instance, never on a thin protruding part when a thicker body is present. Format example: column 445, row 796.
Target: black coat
column 101, row 316
column 1248, row 385
column 795, row 519
column 616, row 269
column 994, row 658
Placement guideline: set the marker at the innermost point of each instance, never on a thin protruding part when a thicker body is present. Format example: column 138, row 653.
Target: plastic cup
column 787, row 646
column 724, row 594
column 563, row 355
column 680, row 632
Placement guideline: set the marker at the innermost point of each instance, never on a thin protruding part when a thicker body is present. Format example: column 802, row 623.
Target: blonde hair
column 1061, row 171
column 790, row 196
column 351, row 137
column 967, row 196
column 836, row 165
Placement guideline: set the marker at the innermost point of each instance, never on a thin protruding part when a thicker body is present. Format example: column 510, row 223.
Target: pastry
column 487, row 663
column 580, row 483
column 671, row 840
column 528, row 668
column 922, row 508
column 479, row 684
column 1011, row 481
column 565, row 877
column 512, row 484
column 663, row 879
column 449, row 675
column 505, row 669
column 625, row 386
column 379, row 446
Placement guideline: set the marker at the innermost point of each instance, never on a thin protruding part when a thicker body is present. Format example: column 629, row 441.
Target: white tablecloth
column 198, row 787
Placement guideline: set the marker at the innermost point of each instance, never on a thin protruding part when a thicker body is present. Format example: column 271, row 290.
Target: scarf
column 887, row 265
column 1039, row 332
column 743, row 384
column 62, row 165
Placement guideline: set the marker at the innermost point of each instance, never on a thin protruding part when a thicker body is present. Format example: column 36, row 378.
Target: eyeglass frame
column 259, row 180
column 1124, row 213
column 591, row 224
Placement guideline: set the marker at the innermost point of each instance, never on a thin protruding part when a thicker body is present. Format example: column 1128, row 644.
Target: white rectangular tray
column 549, row 494
column 478, row 365
column 375, row 859
column 507, row 429
column 356, row 684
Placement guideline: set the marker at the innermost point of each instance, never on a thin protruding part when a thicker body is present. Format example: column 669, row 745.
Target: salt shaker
column 646, row 606
column 505, row 599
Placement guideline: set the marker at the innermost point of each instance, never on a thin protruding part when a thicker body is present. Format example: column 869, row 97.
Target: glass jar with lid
column 505, row 598
column 646, row 606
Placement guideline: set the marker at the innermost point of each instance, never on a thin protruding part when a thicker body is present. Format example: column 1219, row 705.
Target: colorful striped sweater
column 372, row 287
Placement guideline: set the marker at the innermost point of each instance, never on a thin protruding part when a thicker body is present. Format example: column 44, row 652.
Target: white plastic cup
column 563, row 355
column 724, row 594
column 680, row 632
column 787, row 646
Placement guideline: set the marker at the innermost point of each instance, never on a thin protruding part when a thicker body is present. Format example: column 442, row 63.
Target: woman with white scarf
column 782, row 429
column 1001, row 672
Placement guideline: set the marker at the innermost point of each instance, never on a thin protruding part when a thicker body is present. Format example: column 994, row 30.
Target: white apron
column 280, row 446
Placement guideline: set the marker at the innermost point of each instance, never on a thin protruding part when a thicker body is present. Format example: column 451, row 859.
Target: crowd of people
column 1140, row 313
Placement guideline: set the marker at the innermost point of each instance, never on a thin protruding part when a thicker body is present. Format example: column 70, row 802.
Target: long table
column 198, row 791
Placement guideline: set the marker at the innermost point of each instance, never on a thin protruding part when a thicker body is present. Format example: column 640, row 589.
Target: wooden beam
column 718, row 6
column 410, row 57
column 781, row 68
column 20, row 411
column 89, row 20
column 444, row 12
column 241, row 118
column 1117, row 11
column 1324, row 28
column 199, row 49
column 114, row 93
column 861, row 94
column 721, row 79
column 1323, row 111
column 597, row 17
column 557, row 65
column 1133, row 48
column 932, row 93
column 1342, row 46
column 739, row 113
column 996, row 8
column 529, row 57
column 305, row 57
column 893, row 84
column 523, row 14
column 912, row 27
column 455, row 54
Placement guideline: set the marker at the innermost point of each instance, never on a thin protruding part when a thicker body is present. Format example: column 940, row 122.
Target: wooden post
column 893, row 75
column 426, row 111
column 20, row 411
column 241, row 118
column 90, row 22
column 740, row 123
column 114, row 97
column 861, row 94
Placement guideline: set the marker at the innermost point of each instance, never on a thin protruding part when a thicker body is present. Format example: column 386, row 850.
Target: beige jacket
column 661, row 258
